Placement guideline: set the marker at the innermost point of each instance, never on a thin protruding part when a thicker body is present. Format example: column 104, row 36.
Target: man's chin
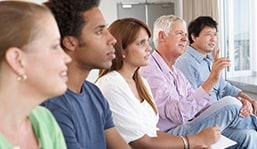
column 210, row 50
column 106, row 65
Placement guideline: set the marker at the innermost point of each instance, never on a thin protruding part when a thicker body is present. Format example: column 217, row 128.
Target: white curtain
column 194, row 8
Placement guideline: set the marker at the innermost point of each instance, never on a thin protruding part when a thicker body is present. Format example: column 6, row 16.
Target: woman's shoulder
column 41, row 113
column 110, row 79
column 46, row 128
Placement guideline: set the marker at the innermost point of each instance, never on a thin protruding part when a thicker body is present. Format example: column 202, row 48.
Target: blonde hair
column 18, row 23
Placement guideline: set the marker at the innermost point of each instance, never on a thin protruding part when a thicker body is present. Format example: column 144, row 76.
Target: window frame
column 226, row 29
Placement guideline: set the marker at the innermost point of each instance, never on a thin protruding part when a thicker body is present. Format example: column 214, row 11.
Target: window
column 238, row 39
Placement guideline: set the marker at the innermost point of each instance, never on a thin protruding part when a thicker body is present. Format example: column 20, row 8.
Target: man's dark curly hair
column 68, row 14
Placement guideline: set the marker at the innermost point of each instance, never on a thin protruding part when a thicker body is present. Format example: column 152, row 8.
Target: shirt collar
column 199, row 57
column 161, row 63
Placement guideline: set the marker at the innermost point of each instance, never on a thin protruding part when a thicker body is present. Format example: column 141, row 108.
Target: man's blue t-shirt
column 82, row 117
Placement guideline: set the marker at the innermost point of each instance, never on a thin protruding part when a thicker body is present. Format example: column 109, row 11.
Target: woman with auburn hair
column 32, row 69
column 134, row 111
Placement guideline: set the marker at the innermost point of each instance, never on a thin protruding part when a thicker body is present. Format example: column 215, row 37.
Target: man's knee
column 229, row 100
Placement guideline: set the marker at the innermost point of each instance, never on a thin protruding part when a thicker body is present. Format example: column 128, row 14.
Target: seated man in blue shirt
column 197, row 60
column 196, row 65
column 82, row 112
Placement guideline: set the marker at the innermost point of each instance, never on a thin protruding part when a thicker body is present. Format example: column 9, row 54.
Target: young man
column 182, row 109
column 197, row 61
column 82, row 112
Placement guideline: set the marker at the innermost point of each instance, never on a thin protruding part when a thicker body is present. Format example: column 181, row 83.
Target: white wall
column 109, row 7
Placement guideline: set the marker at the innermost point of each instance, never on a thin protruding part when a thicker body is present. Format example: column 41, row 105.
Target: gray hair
column 164, row 23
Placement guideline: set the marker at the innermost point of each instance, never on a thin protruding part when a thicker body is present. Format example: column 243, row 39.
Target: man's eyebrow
column 100, row 26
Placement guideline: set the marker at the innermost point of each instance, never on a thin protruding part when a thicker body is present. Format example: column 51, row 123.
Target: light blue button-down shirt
column 176, row 100
column 195, row 68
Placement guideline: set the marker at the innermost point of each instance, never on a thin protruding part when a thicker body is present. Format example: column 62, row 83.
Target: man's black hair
column 196, row 26
column 68, row 14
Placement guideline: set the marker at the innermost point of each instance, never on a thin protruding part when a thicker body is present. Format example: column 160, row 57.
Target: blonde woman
column 32, row 69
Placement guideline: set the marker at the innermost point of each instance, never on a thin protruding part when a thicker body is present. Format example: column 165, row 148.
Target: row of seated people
column 123, row 110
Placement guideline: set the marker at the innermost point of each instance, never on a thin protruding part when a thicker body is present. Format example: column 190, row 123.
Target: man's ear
column 193, row 37
column 70, row 43
column 161, row 35
column 15, row 59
